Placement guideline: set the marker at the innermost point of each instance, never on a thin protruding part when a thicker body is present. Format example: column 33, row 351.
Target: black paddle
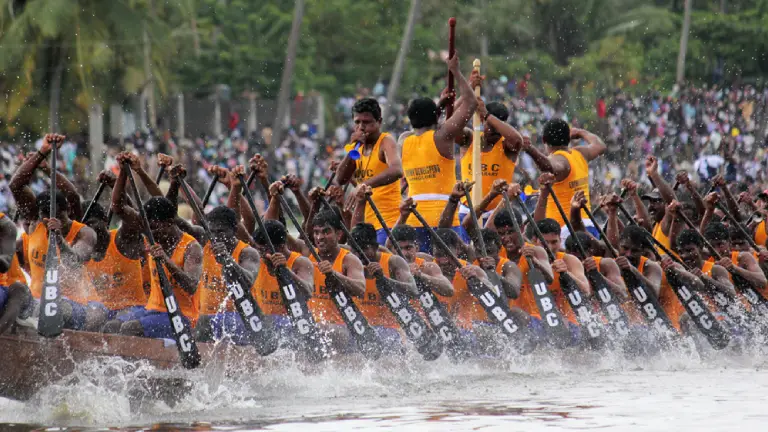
column 294, row 300
column 209, row 191
column 498, row 311
column 364, row 335
column 545, row 301
column 51, row 320
column 493, row 277
column 95, row 199
column 417, row 331
column 182, row 334
column 261, row 329
column 594, row 329
column 439, row 318
column 608, row 303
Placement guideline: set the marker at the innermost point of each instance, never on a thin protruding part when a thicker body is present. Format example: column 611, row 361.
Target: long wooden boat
column 31, row 362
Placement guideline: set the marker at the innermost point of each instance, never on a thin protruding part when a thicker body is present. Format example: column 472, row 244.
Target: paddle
column 493, row 277
column 608, row 303
column 294, row 300
column 497, row 310
column 95, row 199
column 262, row 331
column 51, row 320
column 209, row 191
column 439, row 318
column 696, row 308
column 545, row 301
column 417, row 331
column 182, row 334
column 364, row 335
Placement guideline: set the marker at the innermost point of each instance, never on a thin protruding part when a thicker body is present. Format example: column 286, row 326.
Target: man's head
column 762, row 199
column 406, row 237
column 633, row 244
column 689, row 210
column 557, row 134
column 422, row 113
column 655, row 204
column 222, row 222
column 364, row 234
column 327, row 231
column 500, row 111
column 277, row 234
column 550, row 230
column 161, row 214
column 718, row 236
column 97, row 219
column 442, row 258
column 511, row 239
column 586, row 240
column 738, row 241
column 492, row 241
column 367, row 116
column 44, row 205
column 689, row 247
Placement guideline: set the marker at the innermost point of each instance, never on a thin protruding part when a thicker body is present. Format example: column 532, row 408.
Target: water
column 549, row 391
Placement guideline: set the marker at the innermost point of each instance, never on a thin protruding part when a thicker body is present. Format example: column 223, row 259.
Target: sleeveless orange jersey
column 630, row 305
column 372, row 306
column 560, row 300
column 117, row 279
column 189, row 304
column 670, row 302
column 430, row 177
column 321, row 305
column 14, row 273
column 495, row 165
column 735, row 260
column 266, row 290
column 462, row 303
column 387, row 197
column 525, row 300
column 577, row 180
column 74, row 283
column 761, row 234
column 213, row 291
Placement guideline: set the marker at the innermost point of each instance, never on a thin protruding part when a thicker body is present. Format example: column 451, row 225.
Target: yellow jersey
column 577, row 180
column 495, row 165
column 117, row 278
column 430, row 177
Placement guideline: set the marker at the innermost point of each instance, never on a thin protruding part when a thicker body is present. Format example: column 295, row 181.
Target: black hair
column 422, row 112
column 585, row 239
column 548, row 226
column 44, row 201
column 503, row 219
column 223, row 214
column 404, row 233
column 327, row 218
column 276, row 232
column 716, row 231
column 364, row 234
column 635, row 235
column 688, row 237
column 736, row 234
column 689, row 205
column 97, row 212
column 448, row 236
column 159, row 209
column 491, row 237
column 368, row 105
column 498, row 110
column 557, row 133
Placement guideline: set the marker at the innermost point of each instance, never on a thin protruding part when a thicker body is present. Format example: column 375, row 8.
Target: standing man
column 378, row 167
column 428, row 158
column 568, row 164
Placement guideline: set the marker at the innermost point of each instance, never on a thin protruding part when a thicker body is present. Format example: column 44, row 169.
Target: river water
column 562, row 390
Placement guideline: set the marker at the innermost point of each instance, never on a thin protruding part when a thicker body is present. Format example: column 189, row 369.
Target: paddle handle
column 95, row 199
column 536, row 230
column 351, row 241
column 208, row 192
column 384, row 226
column 693, row 227
column 160, row 174
column 480, row 241
column 451, row 53
column 600, row 231
column 437, row 238
column 515, row 225
column 738, row 225
column 567, row 220
column 259, row 220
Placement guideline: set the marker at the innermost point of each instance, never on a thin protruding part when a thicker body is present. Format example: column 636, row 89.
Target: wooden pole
column 477, row 147
column 683, row 43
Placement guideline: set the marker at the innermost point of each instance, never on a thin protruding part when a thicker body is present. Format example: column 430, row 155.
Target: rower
column 266, row 289
column 420, row 264
column 604, row 265
column 218, row 318
column 743, row 263
column 182, row 258
column 345, row 267
column 14, row 293
column 398, row 277
column 428, row 155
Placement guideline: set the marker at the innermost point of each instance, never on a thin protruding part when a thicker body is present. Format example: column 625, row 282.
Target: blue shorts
column 78, row 315
column 381, row 237
column 229, row 324
column 112, row 314
column 424, row 239
column 3, row 296
column 154, row 323
column 537, row 328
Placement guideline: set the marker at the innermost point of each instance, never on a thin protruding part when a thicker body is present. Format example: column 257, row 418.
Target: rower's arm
column 73, row 198
column 131, row 221
column 273, row 209
column 749, row 269
column 511, row 279
column 7, row 243
column 301, row 199
column 454, row 126
column 352, row 279
column 149, row 183
column 235, row 198
column 612, row 274
column 74, row 256
column 665, row 190
column 358, row 214
column 188, row 277
column 394, row 170
column 402, row 279
column 541, row 261
column 513, row 140
column 650, row 277
column 436, row 280
column 249, row 263
column 720, row 280
column 612, row 233
column 576, row 270
column 303, row 274
column 22, row 194
column 540, row 212
column 446, row 217
column 642, row 212
column 595, row 146
column 696, row 197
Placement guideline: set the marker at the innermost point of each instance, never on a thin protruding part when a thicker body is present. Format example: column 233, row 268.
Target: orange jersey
column 372, row 306
column 213, row 291
column 463, row 305
column 266, row 290
column 761, row 234
column 495, row 165
column 525, row 301
column 670, row 302
column 189, row 304
column 387, row 198
column 560, row 299
column 321, row 305
column 430, row 177
column 14, row 273
column 577, row 180
column 630, row 305
column 117, row 279
column 74, row 283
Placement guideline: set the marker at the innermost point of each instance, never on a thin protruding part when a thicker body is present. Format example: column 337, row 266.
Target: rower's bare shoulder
column 425, row 256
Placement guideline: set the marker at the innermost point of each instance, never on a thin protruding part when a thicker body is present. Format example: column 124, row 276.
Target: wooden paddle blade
column 551, row 318
column 182, row 333
column 442, row 322
column 295, row 301
column 592, row 329
column 365, row 337
column 717, row 335
column 51, row 321
column 609, row 304
column 498, row 312
column 649, row 306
